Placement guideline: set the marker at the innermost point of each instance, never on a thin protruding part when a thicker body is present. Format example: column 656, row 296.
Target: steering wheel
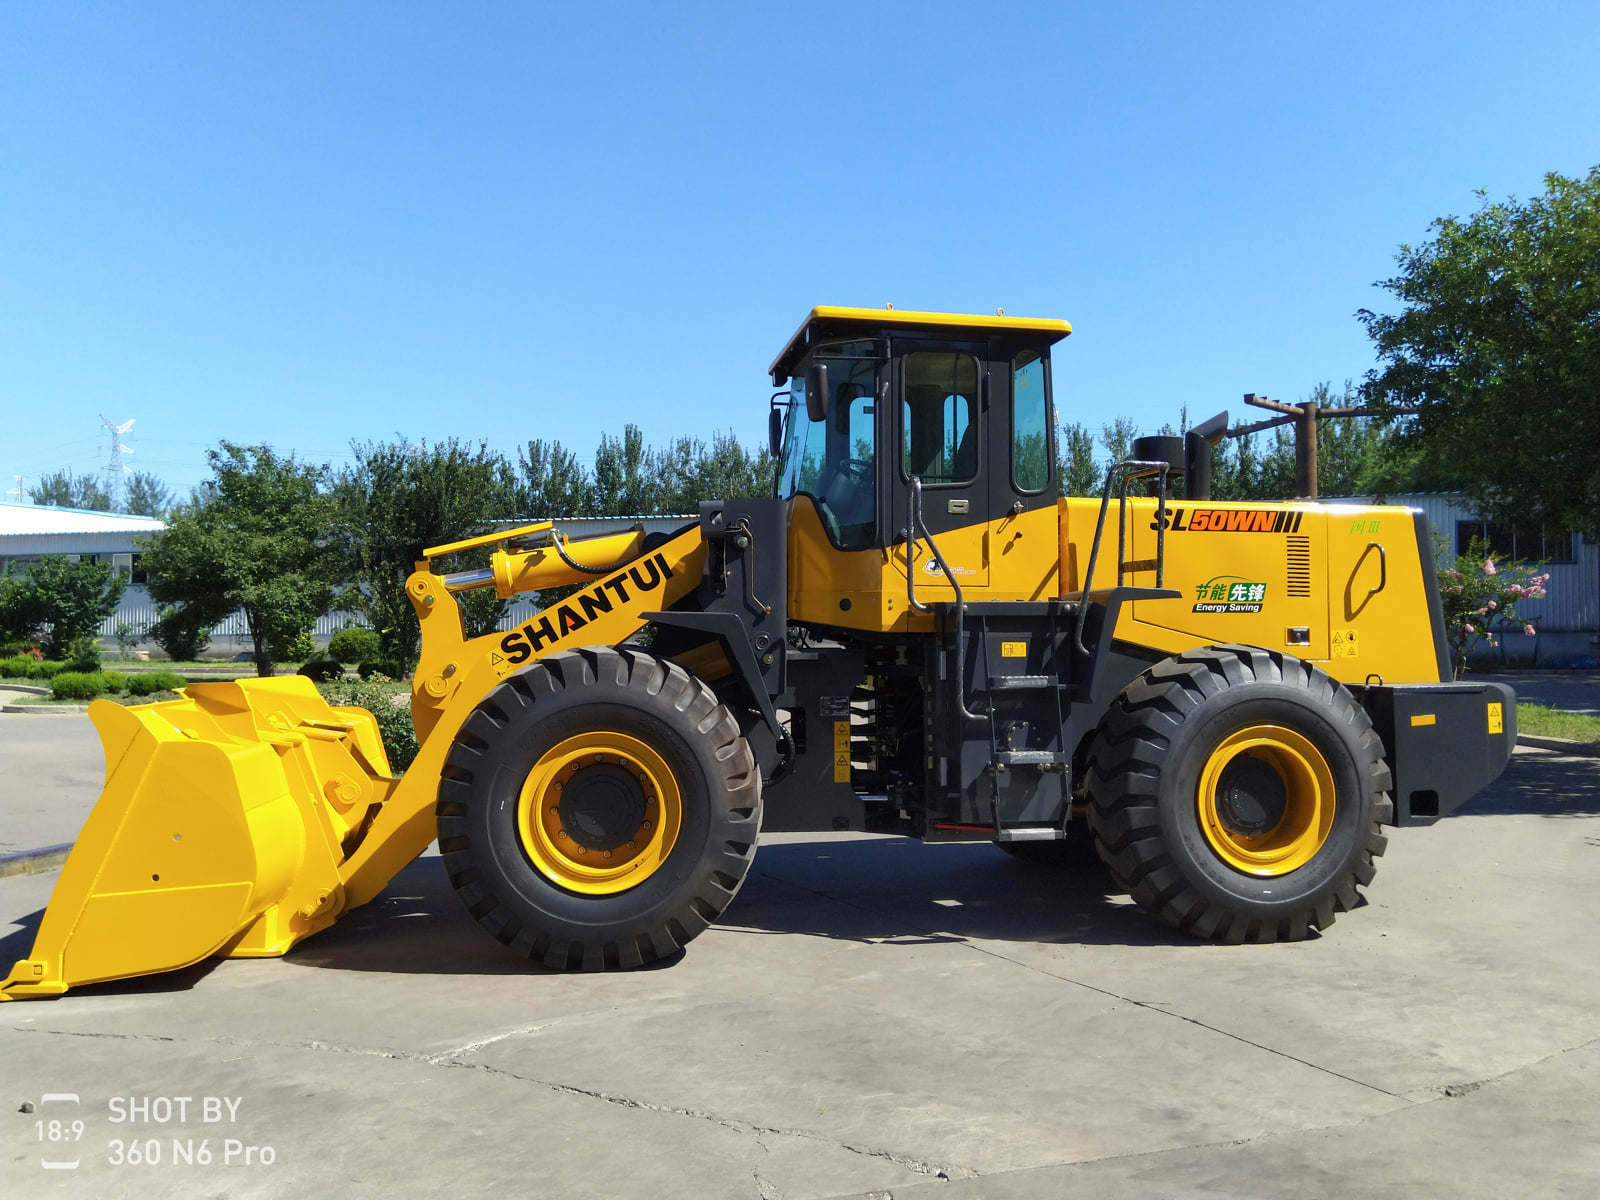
column 856, row 470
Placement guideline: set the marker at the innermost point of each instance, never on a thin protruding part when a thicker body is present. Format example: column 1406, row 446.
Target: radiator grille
column 1299, row 567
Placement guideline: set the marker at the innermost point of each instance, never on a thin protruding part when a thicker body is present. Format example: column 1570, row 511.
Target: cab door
column 940, row 437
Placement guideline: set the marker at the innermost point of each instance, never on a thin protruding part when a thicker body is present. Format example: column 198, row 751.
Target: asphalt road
column 872, row 1017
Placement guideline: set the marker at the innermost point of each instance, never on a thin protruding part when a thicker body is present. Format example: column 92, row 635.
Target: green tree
column 63, row 489
column 1117, row 437
column 1498, row 340
column 257, row 542
column 622, row 482
column 551, row 481
column 400, row 498
column 147, row 496
column 1241, row 469
column 688, row 471
column 1076, row 468
column 60, row 599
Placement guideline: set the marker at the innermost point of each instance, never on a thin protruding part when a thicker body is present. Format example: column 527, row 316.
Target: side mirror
column 817, row 391
column 775, row 432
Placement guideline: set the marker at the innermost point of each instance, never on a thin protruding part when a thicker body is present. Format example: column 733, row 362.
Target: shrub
column 77, row 685
column 289, row 647
column 116, row 681
column 147, row 683
column 180, row 635
column 394, row 719
column 1480, row 599
column 354, row 645
column 321, row 669
column 19, row 667
column 47, row 668
column 15, row 646
column 82, row 654
column 380, row 666
column 128, row 636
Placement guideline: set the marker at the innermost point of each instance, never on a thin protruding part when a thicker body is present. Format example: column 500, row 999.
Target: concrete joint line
column 1454, row 1091
column 450, row 1056
column 911, row 1163
column 123, row 1037
column 1444, row 1093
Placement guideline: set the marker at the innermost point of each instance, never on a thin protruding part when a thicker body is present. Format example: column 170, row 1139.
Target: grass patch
column 1557, row 723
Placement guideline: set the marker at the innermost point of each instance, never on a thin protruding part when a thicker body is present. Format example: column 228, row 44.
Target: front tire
column 598, row 810
column 1238, row 794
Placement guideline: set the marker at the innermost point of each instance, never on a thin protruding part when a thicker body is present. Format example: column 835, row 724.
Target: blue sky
column 303, row 224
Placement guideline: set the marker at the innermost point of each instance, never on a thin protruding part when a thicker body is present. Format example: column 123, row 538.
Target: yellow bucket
column 225, row 818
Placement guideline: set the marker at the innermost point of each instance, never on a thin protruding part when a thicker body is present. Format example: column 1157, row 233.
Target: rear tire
column 598, row 810
column 1238, row 794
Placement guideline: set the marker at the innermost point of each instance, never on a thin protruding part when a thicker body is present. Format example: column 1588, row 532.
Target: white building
column 30, row 531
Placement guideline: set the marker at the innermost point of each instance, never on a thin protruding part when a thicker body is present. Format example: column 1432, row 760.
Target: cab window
column 939, row 430
column 1030, row 424
column 833, row 460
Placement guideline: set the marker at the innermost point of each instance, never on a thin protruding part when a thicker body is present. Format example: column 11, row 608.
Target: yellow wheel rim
column 1266, row 800
column 599, row 813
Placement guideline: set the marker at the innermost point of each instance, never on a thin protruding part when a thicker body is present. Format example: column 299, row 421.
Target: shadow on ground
column 1541, row 783
column 884, row 890
column 875, row 889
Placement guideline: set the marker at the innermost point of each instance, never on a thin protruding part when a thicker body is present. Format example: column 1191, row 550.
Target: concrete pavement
column 51, row 773
column 875, row 1016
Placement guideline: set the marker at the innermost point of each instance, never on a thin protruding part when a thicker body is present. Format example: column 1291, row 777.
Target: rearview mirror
column 775, row 432
column 817, row 391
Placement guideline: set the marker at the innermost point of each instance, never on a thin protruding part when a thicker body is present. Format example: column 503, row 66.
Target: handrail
column 1125, row 469
column 914, row 529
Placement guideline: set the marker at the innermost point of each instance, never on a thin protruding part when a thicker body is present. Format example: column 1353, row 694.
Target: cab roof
column 831, row 321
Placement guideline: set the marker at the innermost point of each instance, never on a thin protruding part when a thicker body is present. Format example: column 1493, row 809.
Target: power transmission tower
column 19, row 492
column 115, row 467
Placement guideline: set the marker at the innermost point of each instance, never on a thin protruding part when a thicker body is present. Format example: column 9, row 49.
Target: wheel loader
column 912, row 634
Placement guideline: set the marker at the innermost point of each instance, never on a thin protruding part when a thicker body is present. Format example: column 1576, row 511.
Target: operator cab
column 877, row 398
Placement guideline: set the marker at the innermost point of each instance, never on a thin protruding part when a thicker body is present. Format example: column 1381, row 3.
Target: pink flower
column 1536, row 593
column 1529, row 630
column 1488, row 567
column 1469, row 629
column 1494, row 604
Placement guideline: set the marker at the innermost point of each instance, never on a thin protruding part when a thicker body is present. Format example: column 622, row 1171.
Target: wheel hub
column 1251, row 797
column 599, row 813
column 1266, row 799
column 602, row 806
